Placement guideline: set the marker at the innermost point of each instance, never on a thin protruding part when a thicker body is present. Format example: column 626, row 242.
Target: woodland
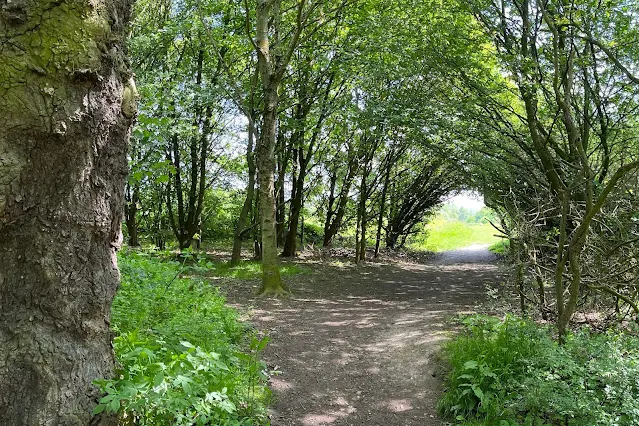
column 227, row 138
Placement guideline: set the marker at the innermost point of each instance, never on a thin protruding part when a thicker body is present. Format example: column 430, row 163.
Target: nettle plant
column 184, row 358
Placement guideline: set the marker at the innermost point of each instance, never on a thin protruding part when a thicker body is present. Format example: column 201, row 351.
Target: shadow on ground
column 356, row 344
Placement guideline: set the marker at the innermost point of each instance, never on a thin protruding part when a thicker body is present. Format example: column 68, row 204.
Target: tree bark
column 334, row 218
column 248, row 201
column 382, row 209
column 271, row 280
column 290, row 244
column 131, row 213
column 271, row 70
column 361, row 213
column 63, row 166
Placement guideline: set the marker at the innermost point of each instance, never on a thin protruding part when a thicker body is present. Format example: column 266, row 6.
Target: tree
column 279, row 30
column 567, row 105
column 66, row 103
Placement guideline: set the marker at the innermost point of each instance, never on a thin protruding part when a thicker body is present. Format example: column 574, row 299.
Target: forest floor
column 358, row 345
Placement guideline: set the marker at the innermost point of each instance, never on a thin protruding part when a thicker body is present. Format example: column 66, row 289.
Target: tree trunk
column 357, row 227
column 296, row 208
column 271, row 280
column 391, row 239
column 63, row 167
column 248, row 201
column 382, row 209
column 280, row 199
column 331, row 228
column 130, row 216
column 515, row 251
column 363, row 218
column 329, row 211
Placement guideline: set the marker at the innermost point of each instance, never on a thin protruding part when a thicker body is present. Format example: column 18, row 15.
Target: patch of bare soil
column 357, row 345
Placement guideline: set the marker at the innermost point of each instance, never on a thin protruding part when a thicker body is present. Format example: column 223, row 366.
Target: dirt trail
column 355, row 345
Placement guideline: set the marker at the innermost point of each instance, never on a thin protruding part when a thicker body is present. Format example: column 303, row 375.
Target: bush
column 512, row 372
column 313, row 233
column 178, row 346
column 220, row 213
column 501, row 248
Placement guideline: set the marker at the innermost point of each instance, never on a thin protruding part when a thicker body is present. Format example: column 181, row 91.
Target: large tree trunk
column 65, row 120
column 272, row 71
column 271, row 280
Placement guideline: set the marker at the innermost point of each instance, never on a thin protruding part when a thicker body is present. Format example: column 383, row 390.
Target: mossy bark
column 271, row 71
column 65, row 117
column 271, row 281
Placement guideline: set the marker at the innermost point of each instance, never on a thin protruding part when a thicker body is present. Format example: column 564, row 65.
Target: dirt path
column 355, row 345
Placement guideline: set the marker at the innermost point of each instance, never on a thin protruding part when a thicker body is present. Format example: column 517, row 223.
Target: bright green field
column 443, row 235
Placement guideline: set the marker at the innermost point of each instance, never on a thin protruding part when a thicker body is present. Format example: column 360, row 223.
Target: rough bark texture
column 65, row 115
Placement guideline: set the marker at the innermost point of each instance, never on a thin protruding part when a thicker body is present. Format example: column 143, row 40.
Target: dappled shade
column 355, row 345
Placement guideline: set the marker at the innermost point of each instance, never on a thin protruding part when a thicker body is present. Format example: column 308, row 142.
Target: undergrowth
column 199, row 263
column 501, row 248
column 246, row 270
column 184, row 358
column 511, row 372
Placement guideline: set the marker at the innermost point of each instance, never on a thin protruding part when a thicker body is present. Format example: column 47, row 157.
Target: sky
column 470, row 200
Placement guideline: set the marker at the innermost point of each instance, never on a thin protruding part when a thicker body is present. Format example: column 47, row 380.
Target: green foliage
column 512, row 372
column 178, row 346
column 500, row 247
column 221, row 210
column 442, row 235
column 313, row 232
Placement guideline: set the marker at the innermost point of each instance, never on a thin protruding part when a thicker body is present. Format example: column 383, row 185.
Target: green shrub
column 313, row 233
column 178, row 346
column 501, row 248
column 512, row 372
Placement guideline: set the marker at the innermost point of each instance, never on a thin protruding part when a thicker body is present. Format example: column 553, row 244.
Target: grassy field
column 443, row 235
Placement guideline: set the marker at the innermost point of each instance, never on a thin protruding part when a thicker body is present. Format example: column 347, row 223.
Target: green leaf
column 158, row 379
column 478, row 393
column 470, row 365
column 262, row 344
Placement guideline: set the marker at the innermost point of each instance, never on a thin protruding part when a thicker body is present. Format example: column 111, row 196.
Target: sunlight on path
column 356, row 345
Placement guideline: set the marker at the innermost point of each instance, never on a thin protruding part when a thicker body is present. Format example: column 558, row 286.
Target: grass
column 197, row 263
column 442, row 235
column 251, row 270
